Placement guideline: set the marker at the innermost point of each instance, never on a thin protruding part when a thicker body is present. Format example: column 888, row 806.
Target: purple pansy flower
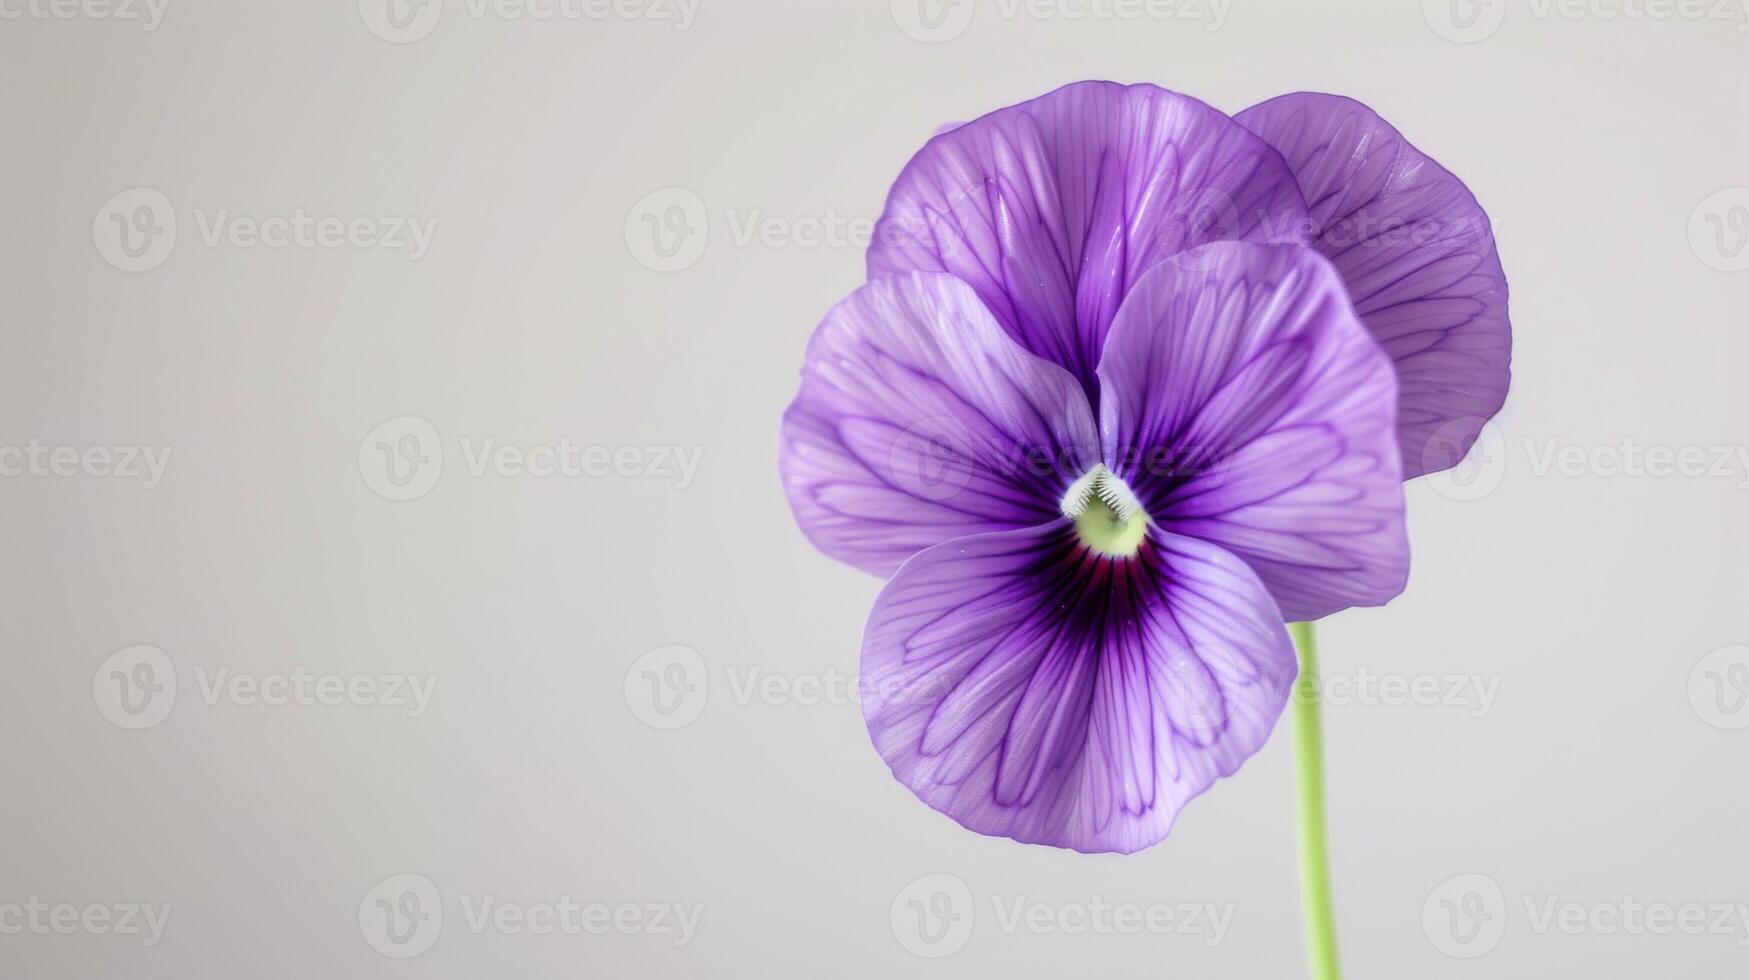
column 1109, row 419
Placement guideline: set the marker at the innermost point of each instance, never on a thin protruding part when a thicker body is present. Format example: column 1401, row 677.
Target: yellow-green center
column 1108, row 518
column 1106, row 531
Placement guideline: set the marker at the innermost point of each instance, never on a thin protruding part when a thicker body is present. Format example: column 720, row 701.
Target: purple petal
column 1417, row 253
column 1244, row 404
column 1051, row 209
column 920, row 421
column 1030, row 689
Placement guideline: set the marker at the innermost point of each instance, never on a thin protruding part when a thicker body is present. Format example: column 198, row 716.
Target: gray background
column 1605, row 605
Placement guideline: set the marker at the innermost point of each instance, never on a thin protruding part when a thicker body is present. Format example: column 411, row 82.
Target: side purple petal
column 1245, row 405
column 1418, row 255
column 1052, row 209
column 919, row 420
column 1030, row 689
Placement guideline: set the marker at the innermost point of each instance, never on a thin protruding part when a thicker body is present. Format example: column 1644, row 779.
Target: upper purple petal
column 1053, row 208
column 1244, row 404
column 919, row 420
column 1030, row 689
column 1418, row 255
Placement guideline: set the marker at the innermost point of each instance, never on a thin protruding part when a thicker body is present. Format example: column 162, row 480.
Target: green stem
column 1320, row 910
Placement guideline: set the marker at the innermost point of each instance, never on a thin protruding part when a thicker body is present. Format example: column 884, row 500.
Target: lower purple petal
column 1028, row 688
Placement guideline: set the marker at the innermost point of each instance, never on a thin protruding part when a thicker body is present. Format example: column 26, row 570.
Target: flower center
column 1108, row 518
